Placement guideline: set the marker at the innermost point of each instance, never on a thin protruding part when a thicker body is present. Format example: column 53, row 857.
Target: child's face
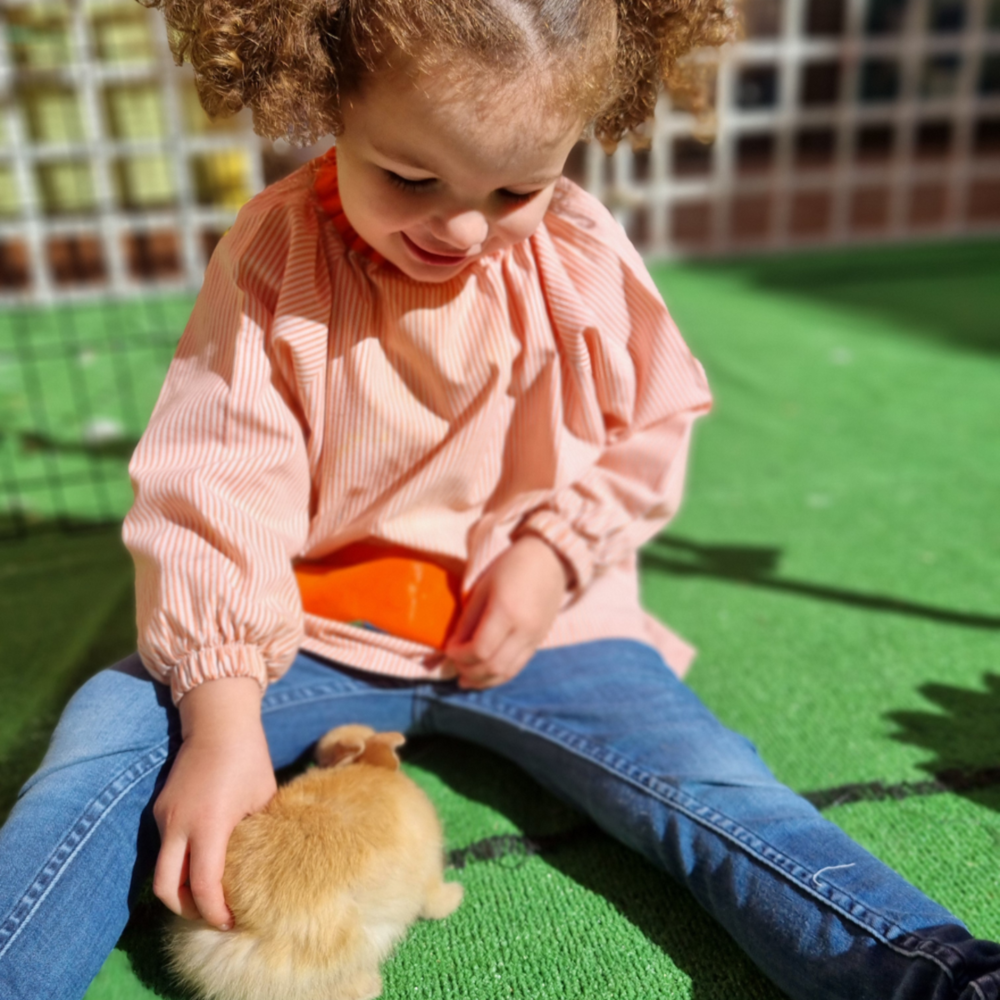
column 432, row 178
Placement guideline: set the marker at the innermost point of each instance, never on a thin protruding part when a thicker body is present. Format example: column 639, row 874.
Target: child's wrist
column 221, row 709
column 542, row 544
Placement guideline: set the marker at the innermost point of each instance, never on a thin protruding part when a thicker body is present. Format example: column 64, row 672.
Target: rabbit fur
column 322, row 882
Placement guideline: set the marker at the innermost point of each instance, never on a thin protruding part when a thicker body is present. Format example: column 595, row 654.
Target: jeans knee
column 118, row 710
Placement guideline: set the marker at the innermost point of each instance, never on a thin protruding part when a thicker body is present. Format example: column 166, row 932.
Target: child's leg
column 81, row 839
column 81, row 835
column 606, row 726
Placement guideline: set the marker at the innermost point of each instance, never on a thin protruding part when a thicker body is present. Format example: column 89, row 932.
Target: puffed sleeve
column 221, row 481
column 633, row 391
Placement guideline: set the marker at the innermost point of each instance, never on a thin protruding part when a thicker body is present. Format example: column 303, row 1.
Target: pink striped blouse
column 320, row 397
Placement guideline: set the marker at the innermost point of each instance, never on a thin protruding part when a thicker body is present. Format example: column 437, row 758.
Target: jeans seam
column 314, row 693
column 708, row 817
column 79, row 833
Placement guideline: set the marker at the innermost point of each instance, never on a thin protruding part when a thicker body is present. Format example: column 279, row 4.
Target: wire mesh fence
column 835, row 122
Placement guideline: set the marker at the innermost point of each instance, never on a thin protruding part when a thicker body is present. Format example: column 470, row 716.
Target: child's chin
column 431, row 274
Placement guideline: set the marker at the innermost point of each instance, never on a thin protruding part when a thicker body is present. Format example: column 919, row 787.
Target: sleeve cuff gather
column 214, row 663
column 552, row 528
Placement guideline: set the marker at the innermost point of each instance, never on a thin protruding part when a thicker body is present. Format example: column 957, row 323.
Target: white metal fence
column 836, row 121
column 111, row 176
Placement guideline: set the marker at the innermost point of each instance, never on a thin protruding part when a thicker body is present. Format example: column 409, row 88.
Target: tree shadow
column 943, row 291
column 664, row 912
column 142, row 941
column 41, row 544
column 115, row 447
column 757, row 566
column 963, row 733
column 115, row 642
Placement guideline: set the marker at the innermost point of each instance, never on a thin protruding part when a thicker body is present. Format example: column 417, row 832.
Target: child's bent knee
column 119, row 709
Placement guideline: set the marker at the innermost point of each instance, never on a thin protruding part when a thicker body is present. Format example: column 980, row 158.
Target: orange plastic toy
column 391, row 588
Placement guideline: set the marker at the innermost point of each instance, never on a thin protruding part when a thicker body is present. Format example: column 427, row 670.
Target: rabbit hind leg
column 442, row 899
column 364, row 986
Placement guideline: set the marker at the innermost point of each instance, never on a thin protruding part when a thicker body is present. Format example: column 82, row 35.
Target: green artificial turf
column 77, row 385
column 837, row 565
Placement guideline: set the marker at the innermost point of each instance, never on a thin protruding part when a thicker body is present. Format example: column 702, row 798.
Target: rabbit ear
column 380, row 750
column 342, row 745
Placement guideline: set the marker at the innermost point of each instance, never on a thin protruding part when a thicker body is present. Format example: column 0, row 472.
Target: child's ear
column 343, row 745
column 380, row 750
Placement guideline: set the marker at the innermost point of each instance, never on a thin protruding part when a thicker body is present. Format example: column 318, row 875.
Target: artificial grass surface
column 836, row 563
column 77, row 385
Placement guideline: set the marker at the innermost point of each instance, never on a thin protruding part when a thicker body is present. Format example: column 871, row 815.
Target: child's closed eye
column 408, row 184
column 517, row 197
column 424, row 184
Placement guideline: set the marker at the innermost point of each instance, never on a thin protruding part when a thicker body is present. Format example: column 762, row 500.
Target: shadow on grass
column 665, row 913
column 963, row 733
column 142, row 943
column 757, row 566
column 943, row 291
column 116, row 447
column 116, row 641
column 45, row 557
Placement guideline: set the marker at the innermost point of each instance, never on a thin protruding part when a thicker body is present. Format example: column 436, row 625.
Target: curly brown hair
column 292, row 61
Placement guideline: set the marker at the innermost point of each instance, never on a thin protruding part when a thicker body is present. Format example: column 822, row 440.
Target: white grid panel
column 836, row 121
column 112, row 181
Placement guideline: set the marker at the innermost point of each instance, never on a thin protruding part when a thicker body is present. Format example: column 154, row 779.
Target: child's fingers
column 468, row 619
column 170, row 878
column 483, row 645
column 509, row 659
column 475, row 668
column 208, row 861
column 189, row 910
column 505, row 659
column 475, row 677
column 516, row 659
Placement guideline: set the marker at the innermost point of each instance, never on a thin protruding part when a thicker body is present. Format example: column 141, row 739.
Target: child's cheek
column 393, row 204
column 397, row 211
column 521, row 224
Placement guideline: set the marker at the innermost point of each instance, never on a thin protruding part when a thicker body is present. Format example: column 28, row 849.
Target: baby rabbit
column 323, row 882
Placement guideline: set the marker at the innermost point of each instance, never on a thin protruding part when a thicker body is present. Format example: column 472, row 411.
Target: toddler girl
column 428, row 361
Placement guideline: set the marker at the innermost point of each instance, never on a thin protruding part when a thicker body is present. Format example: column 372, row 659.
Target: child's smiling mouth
column 429, row 257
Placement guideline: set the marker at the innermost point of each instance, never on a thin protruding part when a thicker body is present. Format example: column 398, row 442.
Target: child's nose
column 465, row 230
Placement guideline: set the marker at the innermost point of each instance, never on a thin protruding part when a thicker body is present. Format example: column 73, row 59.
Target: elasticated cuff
column 548, row 525
column 232, row 660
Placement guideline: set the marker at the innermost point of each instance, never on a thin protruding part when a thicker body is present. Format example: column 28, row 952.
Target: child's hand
column 509, row 612
column 222, row 773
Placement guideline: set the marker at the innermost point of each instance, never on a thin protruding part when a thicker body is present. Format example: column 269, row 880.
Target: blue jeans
column 605, row 726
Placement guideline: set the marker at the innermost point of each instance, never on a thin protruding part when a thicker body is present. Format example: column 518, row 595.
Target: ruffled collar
column 328, row 195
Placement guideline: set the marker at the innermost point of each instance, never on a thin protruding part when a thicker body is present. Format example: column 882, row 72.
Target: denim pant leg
column 81, row 839
column 608, row 727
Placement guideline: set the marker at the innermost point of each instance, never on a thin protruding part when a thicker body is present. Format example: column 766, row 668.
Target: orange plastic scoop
column 390, row 588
